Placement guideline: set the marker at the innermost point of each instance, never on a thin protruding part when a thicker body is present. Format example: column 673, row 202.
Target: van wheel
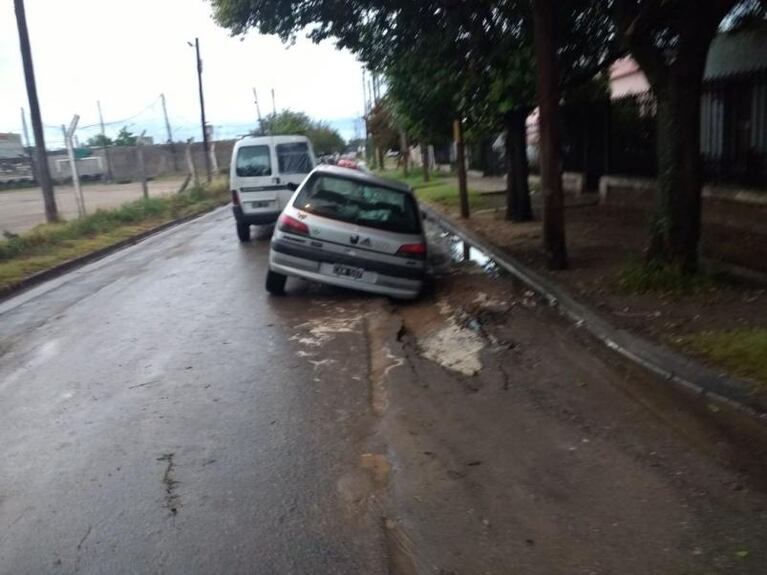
column 243, row 232
column 275, row 283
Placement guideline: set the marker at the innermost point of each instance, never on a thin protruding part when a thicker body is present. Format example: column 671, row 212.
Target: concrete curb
column 674, row 367
column 57, row 270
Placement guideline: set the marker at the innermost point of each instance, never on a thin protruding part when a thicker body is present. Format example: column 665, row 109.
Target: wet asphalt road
column 162, row 414
column 157, row 418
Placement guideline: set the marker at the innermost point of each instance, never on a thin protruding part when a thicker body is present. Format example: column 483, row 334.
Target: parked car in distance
column 264, row 172
column 351, row 229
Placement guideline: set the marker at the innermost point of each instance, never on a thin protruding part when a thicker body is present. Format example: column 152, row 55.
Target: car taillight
column 289, row 224
column 235, row 198
column 413, row 250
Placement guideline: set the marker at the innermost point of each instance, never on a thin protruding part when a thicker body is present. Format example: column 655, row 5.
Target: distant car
column 264, row 172
column 351, row 229
column 354, row 164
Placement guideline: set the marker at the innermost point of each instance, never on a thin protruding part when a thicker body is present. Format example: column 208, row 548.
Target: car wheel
column 275, row 283
column 243, row 232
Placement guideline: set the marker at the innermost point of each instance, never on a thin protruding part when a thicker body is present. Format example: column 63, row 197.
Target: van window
column 294, row 158
column 359, row 202
column 254, row 161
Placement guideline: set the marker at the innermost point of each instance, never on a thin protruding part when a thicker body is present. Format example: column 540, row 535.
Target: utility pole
column 43, row 171
column 258, row 110
column 170, row 133
column 274, row 115
column 105, row 148
column 365, row 115
column 202, row 111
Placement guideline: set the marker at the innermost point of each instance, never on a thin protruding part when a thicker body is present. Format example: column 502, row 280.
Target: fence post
column 68, row 134
column 141, row 165
column 190, row 162
column 213, row 158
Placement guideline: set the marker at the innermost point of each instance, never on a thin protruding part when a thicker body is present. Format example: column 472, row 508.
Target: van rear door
column 294, row 162
column 255, row 177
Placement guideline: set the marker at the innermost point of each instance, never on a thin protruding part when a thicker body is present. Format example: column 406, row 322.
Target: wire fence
column 164, row 147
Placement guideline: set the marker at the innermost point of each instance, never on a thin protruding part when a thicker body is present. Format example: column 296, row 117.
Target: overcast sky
column 125, row 53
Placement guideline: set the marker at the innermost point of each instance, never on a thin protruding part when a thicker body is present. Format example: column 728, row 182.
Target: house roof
column 737, row 53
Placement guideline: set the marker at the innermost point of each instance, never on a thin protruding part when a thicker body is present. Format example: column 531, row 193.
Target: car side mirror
column 291, row 186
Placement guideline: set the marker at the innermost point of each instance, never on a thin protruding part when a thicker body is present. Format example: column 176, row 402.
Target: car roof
column 260, row 140
column 357, row 175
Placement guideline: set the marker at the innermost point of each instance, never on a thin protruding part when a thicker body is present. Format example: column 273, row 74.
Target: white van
column 264, row 173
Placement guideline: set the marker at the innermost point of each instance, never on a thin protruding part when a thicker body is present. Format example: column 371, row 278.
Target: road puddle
column 447, row 249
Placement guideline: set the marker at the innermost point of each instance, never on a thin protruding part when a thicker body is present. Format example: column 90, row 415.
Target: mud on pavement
column 502, row 442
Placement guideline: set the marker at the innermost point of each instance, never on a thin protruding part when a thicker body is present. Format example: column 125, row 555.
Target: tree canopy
column 324, row 138
column 99, row 141
column 476, row 61
column 125, row 137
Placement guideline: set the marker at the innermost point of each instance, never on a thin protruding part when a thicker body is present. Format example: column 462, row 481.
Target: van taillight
column 235, row 198
column 413, row 250
column 291, row 225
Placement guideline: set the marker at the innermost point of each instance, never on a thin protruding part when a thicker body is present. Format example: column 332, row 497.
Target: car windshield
column 294, row 158
column 349, row 200
column 254, row 161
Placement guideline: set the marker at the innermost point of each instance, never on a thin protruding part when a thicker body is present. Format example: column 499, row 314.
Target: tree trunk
column 370, row 151
column 425, row 161
column 463, row 191
column 676, row 76
column 550, row 144
column 405, row 153
column 517, row 188
column 676, row 225
column 381, row 159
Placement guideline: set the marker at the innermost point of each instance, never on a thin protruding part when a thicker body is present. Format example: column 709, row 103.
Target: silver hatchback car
column 351, row 229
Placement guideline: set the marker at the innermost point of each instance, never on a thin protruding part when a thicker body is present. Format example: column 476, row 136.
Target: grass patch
column 48, row 245
column 743, row 352
column 637, row 276
column 441, row 189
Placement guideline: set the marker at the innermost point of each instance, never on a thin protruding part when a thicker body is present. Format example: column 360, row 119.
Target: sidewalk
column 717, row 320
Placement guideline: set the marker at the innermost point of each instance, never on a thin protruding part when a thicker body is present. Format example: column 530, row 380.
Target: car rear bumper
column 379, row 283
column 255, row 218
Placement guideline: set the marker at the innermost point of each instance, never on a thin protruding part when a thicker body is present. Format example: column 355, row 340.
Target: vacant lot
column 23, row 209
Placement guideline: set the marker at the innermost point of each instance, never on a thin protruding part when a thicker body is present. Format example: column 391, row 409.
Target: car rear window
column 254, row 161
column 294, row 158
column 354, row 201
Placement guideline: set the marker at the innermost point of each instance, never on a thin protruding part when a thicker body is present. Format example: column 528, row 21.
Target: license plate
column 261, row 204
column 347, row 271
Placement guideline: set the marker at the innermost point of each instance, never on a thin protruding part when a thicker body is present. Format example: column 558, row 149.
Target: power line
column 123, row 121
column 113, row 122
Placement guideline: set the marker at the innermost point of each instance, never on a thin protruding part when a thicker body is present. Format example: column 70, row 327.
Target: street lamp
column 196, row 47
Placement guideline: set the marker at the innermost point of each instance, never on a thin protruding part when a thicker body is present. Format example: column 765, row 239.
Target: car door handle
column 276, row 180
